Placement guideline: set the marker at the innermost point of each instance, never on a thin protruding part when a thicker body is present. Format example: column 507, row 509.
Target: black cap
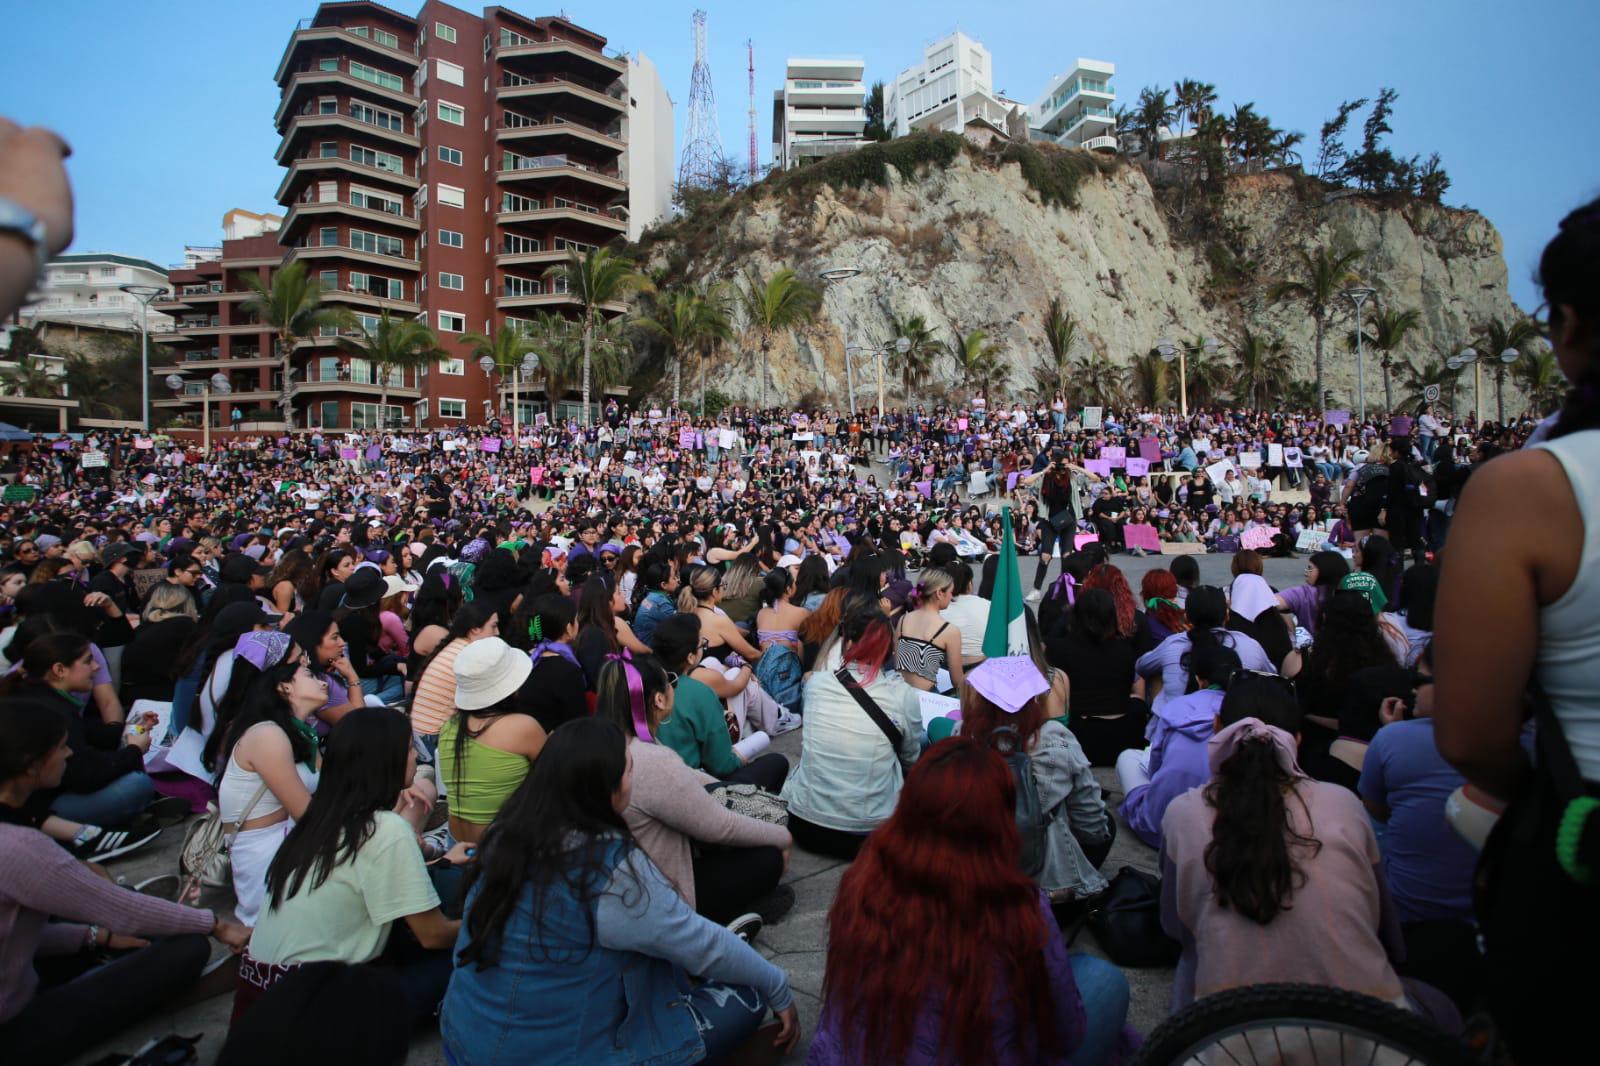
column 363, row 588
column 239, row 569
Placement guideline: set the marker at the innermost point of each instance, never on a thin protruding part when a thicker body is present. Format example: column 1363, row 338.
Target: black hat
column 363, row 588
column 117, row 553
column 239, row 569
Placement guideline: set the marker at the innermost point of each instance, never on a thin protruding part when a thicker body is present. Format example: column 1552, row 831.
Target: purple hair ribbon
column 641, row 724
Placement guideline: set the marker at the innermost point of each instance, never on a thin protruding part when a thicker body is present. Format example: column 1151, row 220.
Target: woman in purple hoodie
column 1175, row 761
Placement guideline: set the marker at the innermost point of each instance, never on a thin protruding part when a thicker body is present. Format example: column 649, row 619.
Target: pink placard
column 1114, row 456
column 1098, row 466
column 961, row 424
column 1137, row 467
column 537, row 475
column 1256, row 537
column 1081, row 539
column 1141, row 536
column 1150, row 449
column 926, row 488
column 489, row 444
column 1336, row 418
column 347, row 453
column 144, row 444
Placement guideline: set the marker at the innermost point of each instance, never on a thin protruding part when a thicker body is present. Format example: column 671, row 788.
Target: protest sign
column 144, row 444
column 1218, row 471
column 1274, row 455
column 726, row 438
column 92, row 459
column 1150, row 449
column 1099, row 467
column 1256, row 537
column 1169, row 547
column 1011, row 480
column 1292, row 459
column 926, row 488
column 1336, row 418
column 1250, row 460
column 1141, row 536
column 1081, row 539
column 1092, row 417
column 489, row 444
column 1114, row 455
column 1137, row 467
column 1310, row 540
column 686, row 438
column 348, row 453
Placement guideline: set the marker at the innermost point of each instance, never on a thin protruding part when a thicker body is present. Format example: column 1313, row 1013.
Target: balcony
column 507, row 301
column 590, row 99
column 584, row 215
column 188, row 330
column 321, row 252
column 341, row 39
column 313, row 210
column 558, row 54
column 559, row 135
column 362, row 298
column 504, row 257
column 318, row 166
column 536, row 168
column 313, row 379
column 1100, row 144
column 825, row 119
column 825, row 96
column 236, row 398
column 214, row 360
column 314, row 79
column 314, row 122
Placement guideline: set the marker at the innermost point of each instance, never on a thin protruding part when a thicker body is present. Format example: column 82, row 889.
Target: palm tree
column 1192, row 101
column 393, row 344
column 30, row 378
column 914, row 365
column 777, row 304
column 1261, row 368
column 1097, row 381
column 1299, row 395
column 88, row 383
column 1284, row 145
column 977, row 360
column 291, row 306
column 1061, row 334
column 506, row 349
column 682, row 318
column 1540, row 378
column 1152, row 113
column 1497, row 337
column 1388, row 336
column 595, row 279
column 1208, row 374
column 716, row 325
column 1322, row 275
column 1433, row 372
column 1149, row 377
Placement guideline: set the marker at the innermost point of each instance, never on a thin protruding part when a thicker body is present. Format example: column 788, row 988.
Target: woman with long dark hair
column 1106, row 709
column 653, row 593
column 78, row 1002
column 1258, row 861
column 996, row 985
column 1207, row 608
column 361, row 625
column 1324, row 571
column 290, row 581
column 331, row 569
column 326, row 652
column 602, row 630
column 562, row 686
column 350, row 869
column 575, row 943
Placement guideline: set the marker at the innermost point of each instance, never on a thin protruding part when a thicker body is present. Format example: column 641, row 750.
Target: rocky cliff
column 970, row 244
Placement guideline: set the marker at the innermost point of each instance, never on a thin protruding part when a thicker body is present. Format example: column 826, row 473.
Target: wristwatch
column 18, row 220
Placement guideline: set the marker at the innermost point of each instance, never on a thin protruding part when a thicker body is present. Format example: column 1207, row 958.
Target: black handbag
column 1127, row 922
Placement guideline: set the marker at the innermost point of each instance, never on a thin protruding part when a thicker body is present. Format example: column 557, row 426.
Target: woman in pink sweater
column 66, row 1003
column 739, row 859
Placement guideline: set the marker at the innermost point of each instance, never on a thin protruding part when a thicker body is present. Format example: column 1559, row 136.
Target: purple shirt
column 1178, row 763
column 1304, row 601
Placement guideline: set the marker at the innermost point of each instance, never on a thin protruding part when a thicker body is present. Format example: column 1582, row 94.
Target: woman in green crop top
column 487, row 748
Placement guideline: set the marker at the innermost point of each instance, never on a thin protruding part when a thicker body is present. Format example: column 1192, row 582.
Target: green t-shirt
column 347, row 917
column 697, row 731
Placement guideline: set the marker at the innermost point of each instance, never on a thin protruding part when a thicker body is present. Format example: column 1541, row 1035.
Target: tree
column 1149, row 379
column 393, row 344
column 595, row 278
column 716, row 326
column 1283, row 148
column 1432, row 181
column 679, row 319
column 1261, row 369
column 30, row 378
column 1323, row 274
column 914, row 365
column 24, row 341
column 89, row 383
column 1097, row 381
column 1386, row 334
column 1192, row 101
column 877, row 128
column 506, row 349
column 774, row 305
column 977, row 360
column 1060, row 334
column 1496, row 337
column 1300, row 395
column 1208, row 375
column 1331, row 154
column 1539, row 377
column 291, row 306
column 1152, row 114
column 1435, row 371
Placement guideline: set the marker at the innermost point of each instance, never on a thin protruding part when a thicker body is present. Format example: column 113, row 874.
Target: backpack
column 1032, row 819
column 779, row 673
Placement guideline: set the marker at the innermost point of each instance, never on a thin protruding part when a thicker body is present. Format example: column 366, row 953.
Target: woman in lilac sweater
column 943, row 950
column 60, row 1009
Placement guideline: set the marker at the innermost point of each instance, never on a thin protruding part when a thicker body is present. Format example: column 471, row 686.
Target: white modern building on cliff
column 952, row 85
column 1075, row 109
column 819, row 110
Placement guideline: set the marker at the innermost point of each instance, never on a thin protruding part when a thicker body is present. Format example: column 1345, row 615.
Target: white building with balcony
column 647, row 164
column 820, row 110
column 1075, row 109
column 952, row 85
column 85, row 289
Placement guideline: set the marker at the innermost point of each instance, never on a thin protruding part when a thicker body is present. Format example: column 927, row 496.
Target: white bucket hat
column 487, row 671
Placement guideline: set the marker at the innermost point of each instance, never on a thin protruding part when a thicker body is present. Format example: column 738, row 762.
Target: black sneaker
column 746, row 927
column 109, row 844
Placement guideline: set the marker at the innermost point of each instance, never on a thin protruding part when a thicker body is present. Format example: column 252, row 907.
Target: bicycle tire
column 1260, row 1007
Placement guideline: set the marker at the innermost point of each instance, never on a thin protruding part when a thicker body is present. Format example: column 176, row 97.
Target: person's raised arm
column 33, row 177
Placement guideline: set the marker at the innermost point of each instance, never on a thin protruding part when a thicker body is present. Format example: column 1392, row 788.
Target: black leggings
column 729, row 881
column 1103, row 739
column 836, row 843
column 66, row 1019
column 1048, row 536
column 769, row 771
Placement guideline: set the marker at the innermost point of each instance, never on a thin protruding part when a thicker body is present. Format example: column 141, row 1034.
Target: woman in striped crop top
column 927, row 643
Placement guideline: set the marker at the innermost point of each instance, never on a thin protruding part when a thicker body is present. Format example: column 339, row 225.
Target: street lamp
column 1169, row 350
column 488, row 365
column 144, row 294
column 1507, row 357
column 831, row 276
column 530, row 364
column 216, row 383
column 901, row 345
column 1359, row 295
column 1462, row 358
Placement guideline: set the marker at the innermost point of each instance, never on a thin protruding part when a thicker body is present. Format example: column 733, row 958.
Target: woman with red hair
column 942, row 949
column 1163, row 615
column 1130, row 620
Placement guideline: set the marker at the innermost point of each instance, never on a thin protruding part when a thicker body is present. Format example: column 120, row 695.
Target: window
column 373, row 285
column 452, row 408
column 562, row 244
column 449, row 238
column 510, row 201
column 327, row 192
column 449, row 73
column 419, row 200
column 328, row 236
column 516, row 286
column 452, row 114
column 373, row 201
column 377, row 244
column 377, row 160
column 510, row 38
column 451, row 281
column 328, row 105
column 454, row 367
column 452, row 196
column 330, row 414
column 422, row 411
column 444, row 33
column 373, row 116
column 450, row 155
column 449, row 322
column 328, row 150
column 108, row 272
column 380, row 78
column 329, row 279
column 327, row 64
column 517, row 245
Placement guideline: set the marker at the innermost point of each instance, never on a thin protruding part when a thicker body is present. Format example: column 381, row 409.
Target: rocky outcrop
column 971, row 246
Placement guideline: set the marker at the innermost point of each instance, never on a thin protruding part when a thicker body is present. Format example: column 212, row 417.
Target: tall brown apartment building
column 435, row 167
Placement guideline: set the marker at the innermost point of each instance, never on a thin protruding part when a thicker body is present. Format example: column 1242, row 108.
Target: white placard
column 1201, row 445
column 726, row 438
column 1092, row 417
column 1250, row 460
column 92, row 459
column 1274, row 455
column 1219, row 471
column 1291, row 458
column 934, row 706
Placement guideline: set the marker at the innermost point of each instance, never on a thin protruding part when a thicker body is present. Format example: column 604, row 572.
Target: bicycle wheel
column 1289, row 1024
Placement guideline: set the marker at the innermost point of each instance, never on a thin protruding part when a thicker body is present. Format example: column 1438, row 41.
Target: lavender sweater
column 39, row 880
column 1178, row 736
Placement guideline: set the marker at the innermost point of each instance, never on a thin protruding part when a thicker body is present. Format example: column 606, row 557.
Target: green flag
column 1007, row 633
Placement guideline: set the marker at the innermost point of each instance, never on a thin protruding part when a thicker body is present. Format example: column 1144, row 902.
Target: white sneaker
column 787, row 721
column 1033, row 597
column 746, row 926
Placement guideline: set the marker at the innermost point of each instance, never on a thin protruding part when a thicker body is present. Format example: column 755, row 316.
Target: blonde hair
column 931, row 582
column 698, row 586
column 84, row 551
column 169, row 601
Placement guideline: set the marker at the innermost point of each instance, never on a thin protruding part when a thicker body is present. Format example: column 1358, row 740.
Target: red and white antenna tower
column 755, row 158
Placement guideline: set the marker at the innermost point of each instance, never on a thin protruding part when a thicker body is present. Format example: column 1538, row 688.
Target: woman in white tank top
column 1519, row 598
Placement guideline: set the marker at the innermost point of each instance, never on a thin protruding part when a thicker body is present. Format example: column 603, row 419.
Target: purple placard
column 489, row 444
column 1011, row 480
column 1141, row 536
column 1400, row 426
column 1113, row 455
column 374, row 453
column 1150, row 449
column 1101, row 467
column 686, row 438
column 61, row 446
column 1336, row 418
column 1137, row 467
column 348, row 453
column 283, row 442
column 926, row 488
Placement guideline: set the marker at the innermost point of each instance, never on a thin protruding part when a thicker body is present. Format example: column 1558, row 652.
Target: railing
column 313, row 375
column 310, row 157
column 352, row 248
column 530, row 288
column 310, row 24
column 518, row 81
column 548, row 162
column 202, row 355
column 534, row 249
column 199, row 323
column 530, row 124
column 313, row 108
column 201, row 290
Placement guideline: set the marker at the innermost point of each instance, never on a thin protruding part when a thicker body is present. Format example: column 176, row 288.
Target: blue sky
column 168, row 103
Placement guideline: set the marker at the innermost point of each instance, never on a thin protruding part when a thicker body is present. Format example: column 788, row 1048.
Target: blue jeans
column 727, row 1016
column 116, row 804
column 390, row 688
column 1104, row 989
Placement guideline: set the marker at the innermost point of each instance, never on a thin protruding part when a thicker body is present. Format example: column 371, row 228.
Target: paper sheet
column 934, row 706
